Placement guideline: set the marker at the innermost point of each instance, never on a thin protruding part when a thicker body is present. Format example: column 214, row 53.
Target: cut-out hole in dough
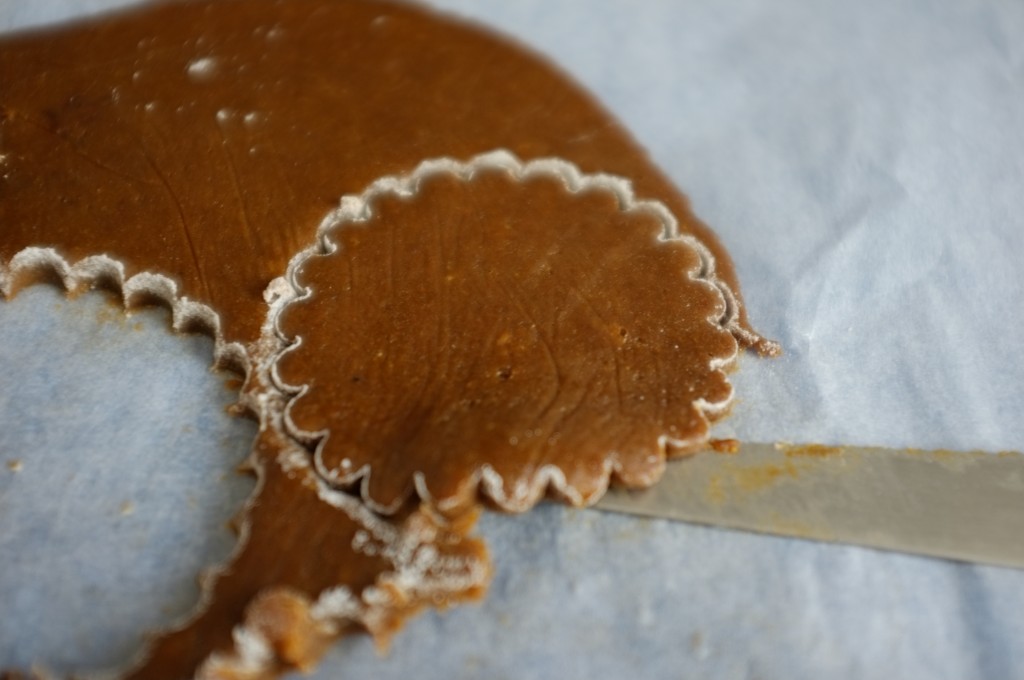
column 117, row 450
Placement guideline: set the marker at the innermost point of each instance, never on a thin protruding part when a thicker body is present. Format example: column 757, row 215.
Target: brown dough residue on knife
column 517, row 329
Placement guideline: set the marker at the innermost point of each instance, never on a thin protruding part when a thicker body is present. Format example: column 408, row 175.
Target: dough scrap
column 315, row 564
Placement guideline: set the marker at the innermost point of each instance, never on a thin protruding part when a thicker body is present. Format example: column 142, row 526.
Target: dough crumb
column 15, row 465
column 726, row 446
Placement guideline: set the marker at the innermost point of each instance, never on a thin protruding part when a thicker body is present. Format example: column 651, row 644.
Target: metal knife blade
column 959, row 505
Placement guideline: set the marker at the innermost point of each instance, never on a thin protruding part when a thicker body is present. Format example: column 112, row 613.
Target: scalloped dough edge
column 548, row 480
column 35, row 265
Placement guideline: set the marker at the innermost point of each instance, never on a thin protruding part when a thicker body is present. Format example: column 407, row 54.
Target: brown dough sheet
column 207, row 140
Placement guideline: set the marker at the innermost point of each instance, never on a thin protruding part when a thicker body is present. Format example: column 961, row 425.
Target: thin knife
column 959, row 505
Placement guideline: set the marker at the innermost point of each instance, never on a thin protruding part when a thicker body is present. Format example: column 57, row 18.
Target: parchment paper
column 864, row 164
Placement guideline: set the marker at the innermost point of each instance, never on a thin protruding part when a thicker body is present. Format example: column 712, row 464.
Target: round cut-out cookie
column 516, row 329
